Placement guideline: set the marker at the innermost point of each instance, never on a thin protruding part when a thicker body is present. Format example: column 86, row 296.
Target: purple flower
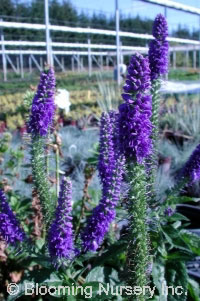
column 158, row 48
column 60, row 236
column 160, row 28
column 107, row 148
column 10, row 229
column 136, row 128
column 42, row 110
column 138, row 78
column 102, row 215
column 134, row 114
column 169, row 211
column 191, row 169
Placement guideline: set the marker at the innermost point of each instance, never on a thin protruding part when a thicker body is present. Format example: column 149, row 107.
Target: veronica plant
column 127, row 143
column 135, row 130
column 158, row 62
column 111, row 168
column 39, row 126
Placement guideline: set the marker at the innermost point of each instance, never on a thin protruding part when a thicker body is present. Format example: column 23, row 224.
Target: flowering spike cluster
column 191, row 169
column 102, row 215
column 42, row 110
column 10, row 229
column 60, row 236
column 111, row 167
column 134, row 114
column 158, row 48
column 107, row 148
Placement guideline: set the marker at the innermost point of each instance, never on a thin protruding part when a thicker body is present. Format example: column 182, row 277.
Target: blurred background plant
column 108, row 94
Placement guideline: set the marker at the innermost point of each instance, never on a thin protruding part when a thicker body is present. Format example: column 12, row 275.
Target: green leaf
column 177, row 217
column 179, row 255
column 158, row 274
column 180, row 200
column 194, row 290
column 120, row 246
column 42, row 260
column 176, row 276
column 104, row 275
column 192, row 240
column 40, row 243
column 174, row 239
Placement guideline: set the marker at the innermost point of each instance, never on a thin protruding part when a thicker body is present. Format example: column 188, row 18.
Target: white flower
column 62, row 100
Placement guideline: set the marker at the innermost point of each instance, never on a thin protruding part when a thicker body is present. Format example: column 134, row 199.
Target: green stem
column 138, row 258
column 57, row 172
column 40, row 177
column 47, row 162
column 82, row 212
column 153, row 161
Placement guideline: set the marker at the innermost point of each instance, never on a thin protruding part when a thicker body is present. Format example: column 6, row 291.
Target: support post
column 11, row 64
column 59, row 63
column 41, row 62
column 101, row 62
column 194, row 59
column 18, row 65
column 3, row 56
column 21, row 65
column 30, row 64
column 78, row 62
column 89, row 59
column 48, row 39
column 72, row 61
column 96, row 61
column 117, row 41
column 107, row 62
column 174, row 59
column 81, row 62
column 63, row 63
column 36, row 62
column 187, row 59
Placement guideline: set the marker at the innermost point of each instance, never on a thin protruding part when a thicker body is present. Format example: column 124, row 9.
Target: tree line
column 64, row 13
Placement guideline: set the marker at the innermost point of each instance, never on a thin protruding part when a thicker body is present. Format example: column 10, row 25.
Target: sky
column 145, row 10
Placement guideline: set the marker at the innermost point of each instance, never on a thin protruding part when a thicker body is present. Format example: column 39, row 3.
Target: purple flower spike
column 191, row 169
column 158, row 48
column 60, row 236
column 107, row 148
column 102, row 215
column 10, row 229
column 135, row 128
column 42, row 110
column 138, row 78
